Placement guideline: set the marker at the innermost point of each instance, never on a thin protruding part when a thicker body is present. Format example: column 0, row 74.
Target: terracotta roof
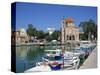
column 68, row 20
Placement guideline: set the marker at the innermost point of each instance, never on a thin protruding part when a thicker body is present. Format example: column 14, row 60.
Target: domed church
column 69, row 31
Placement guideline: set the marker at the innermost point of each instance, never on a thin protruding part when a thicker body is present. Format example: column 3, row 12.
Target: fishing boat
column 54, row 58
column 53, row 52
column 57, row 60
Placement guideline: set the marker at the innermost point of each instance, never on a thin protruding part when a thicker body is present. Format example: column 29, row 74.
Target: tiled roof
column 68, row 20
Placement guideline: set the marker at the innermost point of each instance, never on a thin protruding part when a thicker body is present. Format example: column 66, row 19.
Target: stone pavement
column 91, row 61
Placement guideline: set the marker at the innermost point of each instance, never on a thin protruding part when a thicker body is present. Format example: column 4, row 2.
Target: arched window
column 67, row 37
column 70, row 38
column 73, row 37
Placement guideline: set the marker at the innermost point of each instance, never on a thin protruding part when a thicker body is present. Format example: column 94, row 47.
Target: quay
column 91, row 61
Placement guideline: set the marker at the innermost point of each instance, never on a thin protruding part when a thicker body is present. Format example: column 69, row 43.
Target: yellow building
column 19, row 36
column 69, row 31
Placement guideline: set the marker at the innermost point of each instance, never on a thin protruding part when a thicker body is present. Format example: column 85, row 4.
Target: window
column 73, row 37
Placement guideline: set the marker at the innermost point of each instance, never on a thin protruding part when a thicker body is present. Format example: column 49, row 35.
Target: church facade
column 69, row 32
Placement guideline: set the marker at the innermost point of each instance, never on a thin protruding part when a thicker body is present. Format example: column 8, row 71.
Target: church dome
column 23, row 32
column 68, row 20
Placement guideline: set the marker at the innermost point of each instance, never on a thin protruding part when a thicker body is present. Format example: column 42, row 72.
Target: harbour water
column 27, row 56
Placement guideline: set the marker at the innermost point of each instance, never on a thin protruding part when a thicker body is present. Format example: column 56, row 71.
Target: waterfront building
column 69, row 31
column 19, row 36
column 50, row 30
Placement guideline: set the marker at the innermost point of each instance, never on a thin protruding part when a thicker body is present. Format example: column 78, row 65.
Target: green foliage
column 54, row 36
column 48, row 38
column 40, row 35
column 33, row 32
column 89, row 27
column 83, row 36
column 30, row 31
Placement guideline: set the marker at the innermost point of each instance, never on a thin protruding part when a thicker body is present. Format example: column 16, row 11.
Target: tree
column 48, row 38
column 40, row 35
column 54, row 36
column 89, row 28
column 31, row 31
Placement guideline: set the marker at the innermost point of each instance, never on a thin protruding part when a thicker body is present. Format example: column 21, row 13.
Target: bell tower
column 69, row 32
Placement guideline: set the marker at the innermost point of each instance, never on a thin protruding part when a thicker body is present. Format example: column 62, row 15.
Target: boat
column 57, row 60
column 54, row 58
column 71, row 60
column 40, row 67
column 53, row 52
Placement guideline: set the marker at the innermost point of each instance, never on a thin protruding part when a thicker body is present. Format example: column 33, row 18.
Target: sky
column 43, row 16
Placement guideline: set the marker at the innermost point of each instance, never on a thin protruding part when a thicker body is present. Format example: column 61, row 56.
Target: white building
column 69, row 32
column 20, row 36
column 50, row 30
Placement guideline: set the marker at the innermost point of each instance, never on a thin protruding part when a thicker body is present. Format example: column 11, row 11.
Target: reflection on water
column 27, row 56
column 21, row 52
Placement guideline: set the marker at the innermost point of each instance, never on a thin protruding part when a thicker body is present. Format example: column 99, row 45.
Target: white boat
column 53, row 55
column 54, row 61
column 55, row 52
column 40, row 67
column 69, row 60
column 71, row 63
column 70, row 55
